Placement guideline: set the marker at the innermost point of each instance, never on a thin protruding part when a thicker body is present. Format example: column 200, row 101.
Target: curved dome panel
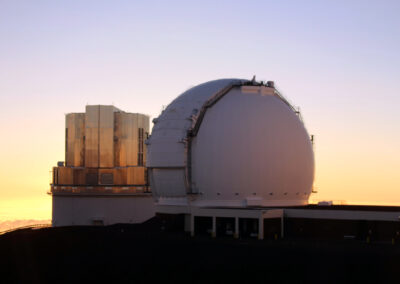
column 166, row 146
column 170, row 128
column 252, row 149
column 230, row 142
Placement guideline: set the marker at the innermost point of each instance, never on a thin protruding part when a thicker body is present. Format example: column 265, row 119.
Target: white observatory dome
column 230, row 143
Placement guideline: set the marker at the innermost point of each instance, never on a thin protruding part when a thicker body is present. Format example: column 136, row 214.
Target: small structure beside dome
column 104, row 179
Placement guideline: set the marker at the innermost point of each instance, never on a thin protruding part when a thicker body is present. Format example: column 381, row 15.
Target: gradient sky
column 338, row 60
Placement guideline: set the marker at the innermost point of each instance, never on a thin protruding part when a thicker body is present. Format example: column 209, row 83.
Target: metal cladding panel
column 166, row 158
column 74, row 139
column 101, row 176
column 168, row 182
column 97, row 142
column 92, row 136
column 69, row 146
column 124, row 151
column 55, row 175
column 79, row 176
column 118, row 138
column 120, row 176
column 106, row 136
column 136, row 175
column 65, row 176
column 132, row 143
column 173, row 156
column 127, row 144
column 143, row 128
column 146, row 127
column 166, row 148
column 130, row 176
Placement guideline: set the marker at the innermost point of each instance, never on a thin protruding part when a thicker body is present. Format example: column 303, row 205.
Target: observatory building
column 232, row 157
column 103, row 179
column 229, row 157
column 229, row 144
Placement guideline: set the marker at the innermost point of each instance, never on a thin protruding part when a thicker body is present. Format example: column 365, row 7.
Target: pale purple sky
column 338, row 60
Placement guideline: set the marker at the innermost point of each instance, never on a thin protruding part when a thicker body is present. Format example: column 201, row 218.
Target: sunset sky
column 339, row 61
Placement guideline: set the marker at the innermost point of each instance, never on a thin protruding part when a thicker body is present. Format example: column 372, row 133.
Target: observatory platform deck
column 336, row 221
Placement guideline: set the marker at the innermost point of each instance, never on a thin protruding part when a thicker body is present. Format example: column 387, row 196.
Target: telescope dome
column 230, row 143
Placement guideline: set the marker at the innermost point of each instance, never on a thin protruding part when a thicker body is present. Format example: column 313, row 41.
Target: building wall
column 127, row 144
column 104, row 144
column 104, row 179
column 106, row 136
column 105, row 210
column 92, row 136
column 74, row 139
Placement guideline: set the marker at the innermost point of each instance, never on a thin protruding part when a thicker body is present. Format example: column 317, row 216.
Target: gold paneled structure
column 104, row 148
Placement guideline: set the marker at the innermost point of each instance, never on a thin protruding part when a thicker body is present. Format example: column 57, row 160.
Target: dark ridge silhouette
column 14, row 224
column 147, row 253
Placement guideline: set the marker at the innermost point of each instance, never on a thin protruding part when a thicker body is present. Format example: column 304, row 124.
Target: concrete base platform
column 71, row 210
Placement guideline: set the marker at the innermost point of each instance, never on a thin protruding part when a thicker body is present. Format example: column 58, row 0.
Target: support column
column 282, row 225
column 260, row 228
column 192, row 225
column 214, row 227
column 236, row 235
